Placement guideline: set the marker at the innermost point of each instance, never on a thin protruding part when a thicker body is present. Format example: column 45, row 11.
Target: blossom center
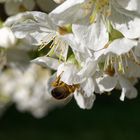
column 64, row 30
column 119, row 64
column 94, row 7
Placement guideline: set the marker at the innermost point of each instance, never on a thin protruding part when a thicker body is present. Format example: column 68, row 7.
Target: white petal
column 7, row 38
column 132, row 5
column 120, row 46
column 68, row 73
column 127, row 22
column 47, row 62
column 106, row 83
column 92, row 36
column 127, row 88
column 84, row 102
column 68, row 12
column 88, row 69
column 31, row 22
column 88, row 87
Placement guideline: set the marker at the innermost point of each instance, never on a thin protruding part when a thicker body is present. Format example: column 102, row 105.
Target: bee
column 62, row 90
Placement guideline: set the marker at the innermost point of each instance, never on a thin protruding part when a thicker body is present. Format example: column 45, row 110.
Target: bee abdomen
column 60, row 93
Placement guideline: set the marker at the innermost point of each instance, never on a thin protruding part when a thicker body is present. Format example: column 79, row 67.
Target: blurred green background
column 109, row 119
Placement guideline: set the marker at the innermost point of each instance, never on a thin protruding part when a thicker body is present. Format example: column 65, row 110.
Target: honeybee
column 61, row 90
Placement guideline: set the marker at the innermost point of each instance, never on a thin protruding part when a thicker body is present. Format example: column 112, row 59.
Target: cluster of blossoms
column 76, row 48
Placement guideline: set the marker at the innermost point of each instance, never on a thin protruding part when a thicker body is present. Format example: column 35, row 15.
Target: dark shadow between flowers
column 109, row 119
